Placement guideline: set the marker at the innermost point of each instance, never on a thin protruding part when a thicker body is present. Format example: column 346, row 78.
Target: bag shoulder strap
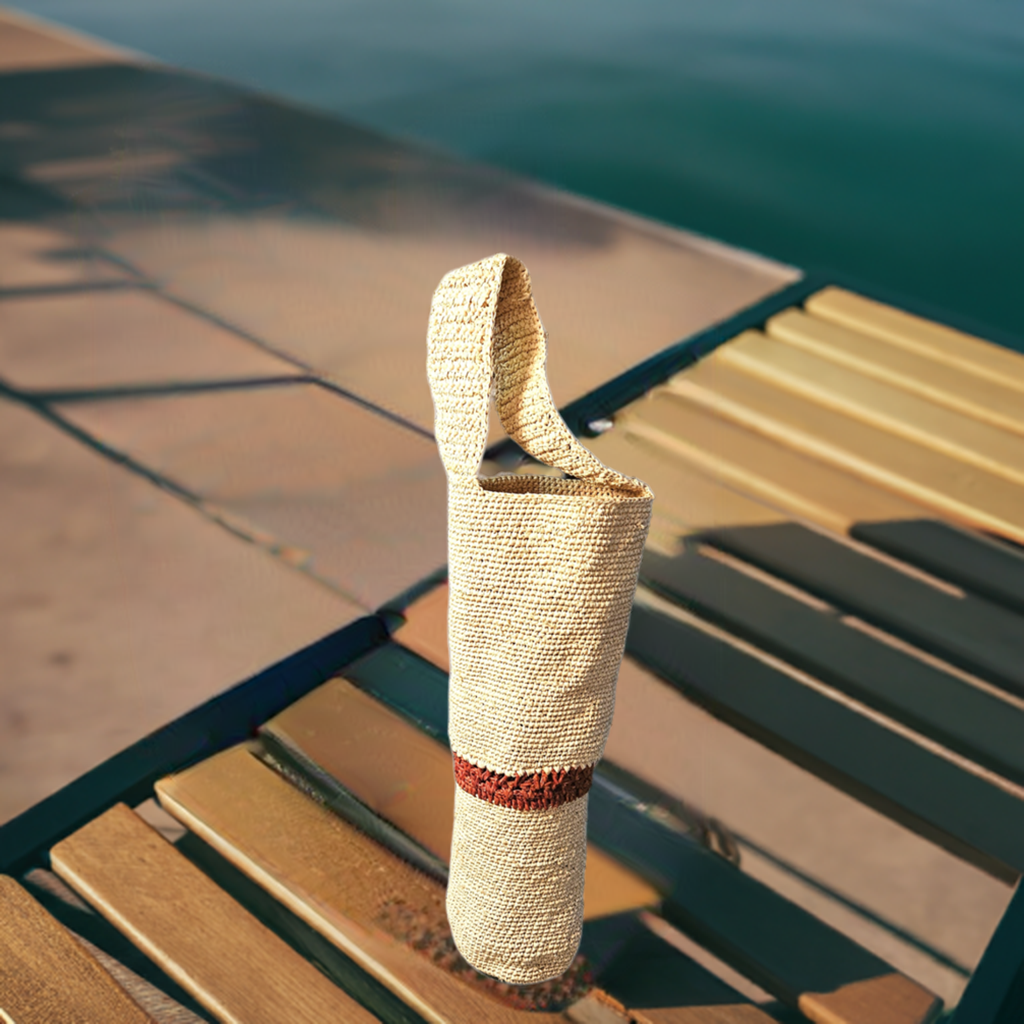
column 484, row 329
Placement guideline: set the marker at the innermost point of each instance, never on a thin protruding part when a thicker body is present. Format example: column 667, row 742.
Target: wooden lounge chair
column 835, row 570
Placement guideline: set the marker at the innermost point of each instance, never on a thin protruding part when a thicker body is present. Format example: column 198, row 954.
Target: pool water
column 881, row 139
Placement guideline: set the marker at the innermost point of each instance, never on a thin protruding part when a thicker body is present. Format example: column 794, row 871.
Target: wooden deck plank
column 609, row 942
column 876, row 402
column 686, row 497
column 150, row 987
column 935, row 341
column 368, row 752
column 310, row 944
column 234, row 966
column 939, row 705
column 968, row 631
column 426, row 631
column 405, row 776
column 285, row 841
column 971, row 817
column 946, row 385
column 47, row 977
column 777, row 944
column 294, row 848
column 759, row 466
column 387, row 764
column 688, row 501
column 962, row 492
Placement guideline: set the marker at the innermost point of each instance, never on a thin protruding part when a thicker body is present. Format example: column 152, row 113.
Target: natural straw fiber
column 542, row 573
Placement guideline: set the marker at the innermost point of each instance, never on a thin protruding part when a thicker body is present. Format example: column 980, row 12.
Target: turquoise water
column 882, row 139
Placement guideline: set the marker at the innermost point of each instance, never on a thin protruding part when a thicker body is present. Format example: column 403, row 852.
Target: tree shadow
column 124, row 138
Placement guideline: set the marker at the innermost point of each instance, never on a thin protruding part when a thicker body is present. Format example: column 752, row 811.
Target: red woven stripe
column 532, row 792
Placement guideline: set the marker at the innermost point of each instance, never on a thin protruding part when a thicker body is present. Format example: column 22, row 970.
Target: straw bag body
column 542, row 573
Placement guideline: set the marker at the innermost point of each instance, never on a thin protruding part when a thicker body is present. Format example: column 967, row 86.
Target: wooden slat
column 46, row 977
column 405, row 776
column 689, row 434
column 974, row 634
column 342, row 738
column 154, row 1001
column 688, row 502
column 291, row 846
column 982, row 638
column 934, row 479
column 235, row 967
column 607, row 942
column 156, row 993
column 971, row 817
column 971, row 632
column 426, row 631
column 941, row 706
column 397, row 770
column 330, row 875
column 779, row 945
column 946, row 385
column 310, row 944
column 877, row 402
column 944, row 344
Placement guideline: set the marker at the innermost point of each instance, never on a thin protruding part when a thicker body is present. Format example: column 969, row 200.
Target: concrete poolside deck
column 212, row 335
column 215, row 429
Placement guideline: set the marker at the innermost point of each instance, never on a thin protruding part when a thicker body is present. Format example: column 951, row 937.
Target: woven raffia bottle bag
column 542, row 573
